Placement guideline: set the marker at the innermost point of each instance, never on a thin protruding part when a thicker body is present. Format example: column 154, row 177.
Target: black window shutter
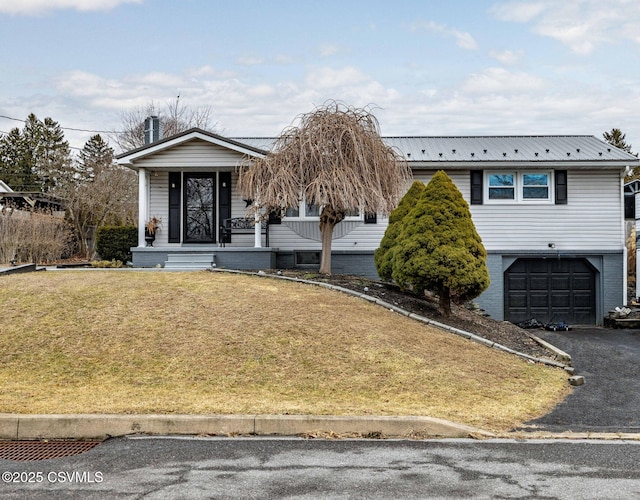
column 224, row 204
column 224, row 195
column 477, row 187
column 274, row 217
column 561, row 187
column 174, row 207
column 370, row 218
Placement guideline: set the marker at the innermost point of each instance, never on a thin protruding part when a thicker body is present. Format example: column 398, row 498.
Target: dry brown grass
column 155, row 342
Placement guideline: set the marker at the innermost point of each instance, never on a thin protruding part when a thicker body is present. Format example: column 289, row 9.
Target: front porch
column 204, row 257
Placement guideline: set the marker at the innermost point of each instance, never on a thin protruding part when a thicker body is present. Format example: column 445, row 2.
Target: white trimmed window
column 311, row 211
column 518, row 187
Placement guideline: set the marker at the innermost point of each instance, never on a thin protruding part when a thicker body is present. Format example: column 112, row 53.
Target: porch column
column 143, row 205
column 257, row 232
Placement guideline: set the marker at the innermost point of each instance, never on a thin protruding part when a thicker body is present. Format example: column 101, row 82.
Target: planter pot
column 149, row 238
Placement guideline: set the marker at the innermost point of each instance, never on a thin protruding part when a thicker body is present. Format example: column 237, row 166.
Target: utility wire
column 68, row 128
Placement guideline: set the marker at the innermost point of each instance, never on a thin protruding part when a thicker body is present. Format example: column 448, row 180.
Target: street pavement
column 199, row 468
column 609, row 400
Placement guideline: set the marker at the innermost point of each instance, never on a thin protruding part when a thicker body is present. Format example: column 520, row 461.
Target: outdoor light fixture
column 552, row 245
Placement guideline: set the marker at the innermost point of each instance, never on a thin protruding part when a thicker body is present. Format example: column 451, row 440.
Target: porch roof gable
column 130, row 157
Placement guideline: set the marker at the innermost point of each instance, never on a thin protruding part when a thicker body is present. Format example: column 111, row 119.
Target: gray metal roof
column 494, row 149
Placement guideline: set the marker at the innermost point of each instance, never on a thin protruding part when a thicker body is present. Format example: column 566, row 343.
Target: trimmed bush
column 115, row 242
column 438, row 248
column 383, row 256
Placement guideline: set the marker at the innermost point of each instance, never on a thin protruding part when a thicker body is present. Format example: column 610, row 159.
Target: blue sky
column 458, row 67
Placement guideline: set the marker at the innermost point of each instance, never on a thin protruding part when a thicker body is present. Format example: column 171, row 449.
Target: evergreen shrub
column 438, row 248
column 115, row 242
column 383, row 256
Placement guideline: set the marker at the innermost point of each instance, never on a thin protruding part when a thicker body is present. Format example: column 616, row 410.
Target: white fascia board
column 477, row 165
column 4, row 188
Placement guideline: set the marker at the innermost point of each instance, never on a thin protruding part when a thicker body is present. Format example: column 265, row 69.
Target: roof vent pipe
column 152, row 129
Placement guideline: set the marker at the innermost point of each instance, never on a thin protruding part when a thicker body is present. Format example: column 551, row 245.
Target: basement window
column 307, row 258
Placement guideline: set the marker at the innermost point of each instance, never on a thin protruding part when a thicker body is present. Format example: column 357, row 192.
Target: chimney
column 152, row 129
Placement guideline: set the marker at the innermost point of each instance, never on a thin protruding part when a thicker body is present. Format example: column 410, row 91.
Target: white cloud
column 35, row 7
column 501, row 81
column 518, row 12
column 463, row 40
column 507, row 57
column 581, row 25
column 492, row 101
column 327, row 78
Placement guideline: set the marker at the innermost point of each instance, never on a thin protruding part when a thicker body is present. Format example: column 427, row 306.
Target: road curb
column 94, row 426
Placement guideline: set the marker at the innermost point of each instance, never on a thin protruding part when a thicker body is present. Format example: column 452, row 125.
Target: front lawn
column 201, row 342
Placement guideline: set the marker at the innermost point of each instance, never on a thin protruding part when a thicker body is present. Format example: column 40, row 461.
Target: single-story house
column 549, row 209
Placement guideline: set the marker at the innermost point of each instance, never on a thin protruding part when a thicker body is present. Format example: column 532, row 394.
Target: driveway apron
column 609, row 400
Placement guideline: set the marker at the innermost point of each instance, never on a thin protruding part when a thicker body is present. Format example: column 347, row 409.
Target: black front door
column 199, row 208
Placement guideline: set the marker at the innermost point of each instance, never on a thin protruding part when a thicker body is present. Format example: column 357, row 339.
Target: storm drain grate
column 43, row 450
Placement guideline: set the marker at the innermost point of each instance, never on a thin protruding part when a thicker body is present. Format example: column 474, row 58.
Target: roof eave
column 481, row 165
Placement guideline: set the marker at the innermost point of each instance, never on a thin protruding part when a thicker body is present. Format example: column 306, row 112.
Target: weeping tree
column 335, row 159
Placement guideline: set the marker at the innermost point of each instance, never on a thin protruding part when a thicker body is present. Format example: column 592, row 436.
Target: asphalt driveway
column 609, row 400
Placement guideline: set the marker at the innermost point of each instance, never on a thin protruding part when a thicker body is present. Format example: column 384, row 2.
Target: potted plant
column 150, row 228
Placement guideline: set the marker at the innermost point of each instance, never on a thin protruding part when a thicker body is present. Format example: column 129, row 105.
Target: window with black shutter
column 477, row 187
column 561, row 187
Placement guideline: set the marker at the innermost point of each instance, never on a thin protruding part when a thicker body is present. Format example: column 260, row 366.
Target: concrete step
column 189, row 261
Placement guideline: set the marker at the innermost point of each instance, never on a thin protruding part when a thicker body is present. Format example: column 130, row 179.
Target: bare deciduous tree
column 175, row 117
column 98, row 193
column 336, row 159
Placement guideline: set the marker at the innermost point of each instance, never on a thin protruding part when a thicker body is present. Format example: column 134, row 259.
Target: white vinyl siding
column 195, row 154
column 591, row 219
column 362, row 237
column 159, row 204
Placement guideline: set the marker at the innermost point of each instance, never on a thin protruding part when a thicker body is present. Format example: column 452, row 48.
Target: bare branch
column 334, row 158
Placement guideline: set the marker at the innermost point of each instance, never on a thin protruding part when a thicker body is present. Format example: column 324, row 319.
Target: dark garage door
column 550, row 290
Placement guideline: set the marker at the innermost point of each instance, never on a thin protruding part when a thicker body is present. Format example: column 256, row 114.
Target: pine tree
column 16, row 162
column 438, row 248
column 617, row 138
column 34, row 158
column 53, row 155
column 383, row 256
column 95, row 156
